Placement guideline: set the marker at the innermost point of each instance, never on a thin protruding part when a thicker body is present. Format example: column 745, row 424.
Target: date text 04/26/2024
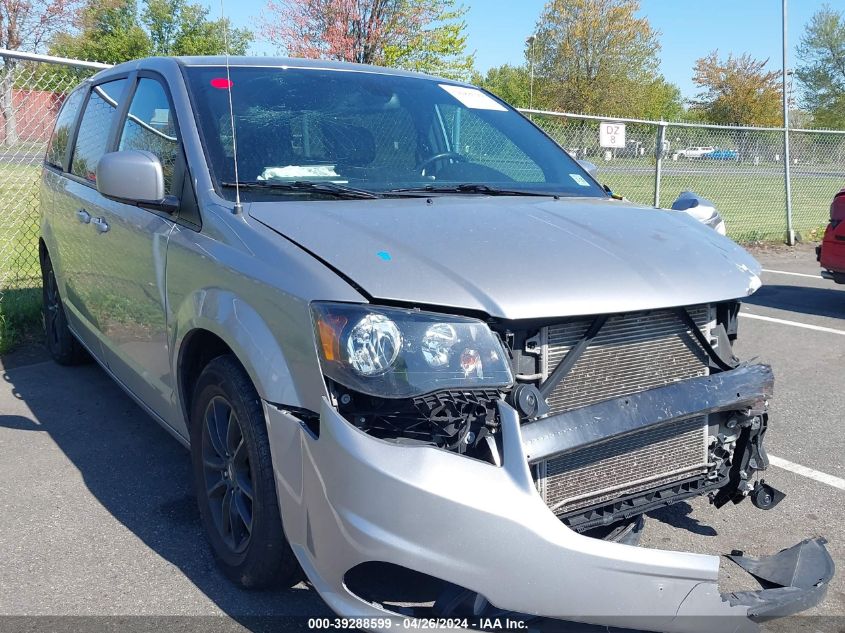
column 433, row 624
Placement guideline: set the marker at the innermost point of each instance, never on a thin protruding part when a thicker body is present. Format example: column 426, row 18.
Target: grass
column 20, row 316
column 752, row 205
column 20, row 280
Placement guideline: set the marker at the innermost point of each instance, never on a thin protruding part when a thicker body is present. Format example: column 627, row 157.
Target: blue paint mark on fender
column 384, row 255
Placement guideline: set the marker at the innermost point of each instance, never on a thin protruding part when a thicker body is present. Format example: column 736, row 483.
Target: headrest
column 348, row 144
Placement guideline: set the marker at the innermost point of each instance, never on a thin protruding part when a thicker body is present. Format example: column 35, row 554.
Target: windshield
column 374, row 132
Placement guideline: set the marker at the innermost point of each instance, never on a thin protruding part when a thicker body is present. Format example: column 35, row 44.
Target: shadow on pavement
column 827, row 302
column 679, row 516
column 141, row 476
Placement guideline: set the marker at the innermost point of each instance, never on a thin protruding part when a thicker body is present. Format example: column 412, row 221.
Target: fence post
column 790, row 233
column 658, row 155
column 787, row 178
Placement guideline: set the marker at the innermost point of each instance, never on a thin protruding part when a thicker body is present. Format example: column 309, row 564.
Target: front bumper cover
column 348, row 498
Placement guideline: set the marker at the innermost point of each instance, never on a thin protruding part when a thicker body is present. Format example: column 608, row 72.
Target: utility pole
column 530, row 41
column 790, row 232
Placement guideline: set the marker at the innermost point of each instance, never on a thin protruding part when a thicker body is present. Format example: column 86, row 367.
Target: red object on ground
column 221, row 82
column 832, row 251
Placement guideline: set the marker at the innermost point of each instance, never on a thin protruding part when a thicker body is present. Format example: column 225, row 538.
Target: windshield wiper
column 474, row 188
column 307, row 186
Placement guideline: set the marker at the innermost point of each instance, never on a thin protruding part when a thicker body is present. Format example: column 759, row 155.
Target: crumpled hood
column 518, row 257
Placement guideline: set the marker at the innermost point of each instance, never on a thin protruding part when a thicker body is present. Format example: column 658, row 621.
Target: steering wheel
column 460, row 158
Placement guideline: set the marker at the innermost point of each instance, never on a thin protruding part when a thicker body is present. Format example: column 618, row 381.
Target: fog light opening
column 412, row 593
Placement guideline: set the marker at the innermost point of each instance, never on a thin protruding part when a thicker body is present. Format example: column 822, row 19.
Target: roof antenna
column 238, row 208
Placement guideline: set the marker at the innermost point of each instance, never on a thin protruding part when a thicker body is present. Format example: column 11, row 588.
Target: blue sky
column 689, row 29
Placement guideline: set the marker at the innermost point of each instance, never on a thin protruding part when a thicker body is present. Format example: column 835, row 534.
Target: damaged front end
column 485, row 455
column 642, row 410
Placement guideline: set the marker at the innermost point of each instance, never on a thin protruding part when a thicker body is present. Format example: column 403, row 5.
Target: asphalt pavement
column 97, row 517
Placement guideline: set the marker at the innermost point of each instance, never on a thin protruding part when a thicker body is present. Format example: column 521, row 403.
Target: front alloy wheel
column 228, row 477
column 234, row 481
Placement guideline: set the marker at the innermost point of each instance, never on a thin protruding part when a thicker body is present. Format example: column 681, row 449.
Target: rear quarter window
column 59, row 139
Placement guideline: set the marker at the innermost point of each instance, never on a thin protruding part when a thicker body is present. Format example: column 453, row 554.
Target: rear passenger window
column 57, row 146
column 93, row 136
column 149, row 126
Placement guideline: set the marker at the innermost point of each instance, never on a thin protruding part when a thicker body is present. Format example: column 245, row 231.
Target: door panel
column 69, row 214
column 127, row 298
column 71, row 208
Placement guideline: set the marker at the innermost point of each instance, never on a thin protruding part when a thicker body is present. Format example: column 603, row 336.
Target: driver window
column 149, row 126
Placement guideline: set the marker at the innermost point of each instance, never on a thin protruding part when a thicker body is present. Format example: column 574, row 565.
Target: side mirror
column 701, row 209
column 135, row 177
column 590, row 168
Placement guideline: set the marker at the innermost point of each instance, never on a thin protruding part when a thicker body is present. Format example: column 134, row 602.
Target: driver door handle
column 83, row 216
column 100, row 224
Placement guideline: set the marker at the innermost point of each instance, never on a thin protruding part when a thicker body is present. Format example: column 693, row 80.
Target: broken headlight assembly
column 410, row 375
column 399, row 353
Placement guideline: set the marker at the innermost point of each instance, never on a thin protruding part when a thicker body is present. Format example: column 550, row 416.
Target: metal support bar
column 658, row 155
column 564, row 367
column 741, row 388
column 35, row 57
column 709, row 126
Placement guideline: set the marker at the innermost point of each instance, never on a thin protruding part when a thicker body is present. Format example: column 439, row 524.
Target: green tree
column 598, row 57
column 425, row 36
column 660, row 99
column 113, row 31
column 510, row 83
column 108, row 31
column 738, row 91
column 821, row 70
column 176, row 27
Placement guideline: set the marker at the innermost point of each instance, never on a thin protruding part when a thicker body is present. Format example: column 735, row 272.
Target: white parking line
column 806, row 326
column 786, row 272
column 816, row 475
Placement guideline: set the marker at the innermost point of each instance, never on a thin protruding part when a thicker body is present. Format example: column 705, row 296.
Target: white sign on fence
column 612, row 134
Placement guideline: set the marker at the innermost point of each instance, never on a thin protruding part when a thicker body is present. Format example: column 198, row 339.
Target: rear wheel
column 61, row 343
column 233, row 478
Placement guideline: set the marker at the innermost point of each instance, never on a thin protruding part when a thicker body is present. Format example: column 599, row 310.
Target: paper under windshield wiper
column 306, row 186
column 476, row 188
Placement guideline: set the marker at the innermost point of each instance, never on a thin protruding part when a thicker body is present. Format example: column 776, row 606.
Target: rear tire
column 60, row 341
column 233, row 479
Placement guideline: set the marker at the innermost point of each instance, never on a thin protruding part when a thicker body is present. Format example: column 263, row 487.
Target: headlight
column 397, row 353
column 373, row 345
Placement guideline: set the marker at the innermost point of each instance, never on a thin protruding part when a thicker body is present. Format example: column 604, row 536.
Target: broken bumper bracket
column 793, row 580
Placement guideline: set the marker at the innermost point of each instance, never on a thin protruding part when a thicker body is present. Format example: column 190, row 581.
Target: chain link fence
column 740, row 169
column 31, row 93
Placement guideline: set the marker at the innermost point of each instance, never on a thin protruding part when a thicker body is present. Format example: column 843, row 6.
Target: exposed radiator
column 624, row 465
column 633, row 352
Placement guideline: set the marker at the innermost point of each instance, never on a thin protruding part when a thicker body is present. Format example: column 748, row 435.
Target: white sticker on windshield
column 579, row 179
column 473, row 98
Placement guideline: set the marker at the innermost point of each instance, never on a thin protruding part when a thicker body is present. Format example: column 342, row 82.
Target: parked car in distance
column 401, row 331
column 831, row 252
column 694, row 152
column 722, row 154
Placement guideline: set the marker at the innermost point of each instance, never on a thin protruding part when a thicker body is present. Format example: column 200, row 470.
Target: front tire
column 60, row 341
column 233, row 479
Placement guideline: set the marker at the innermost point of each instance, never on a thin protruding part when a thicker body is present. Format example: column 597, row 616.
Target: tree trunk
column 7, row 105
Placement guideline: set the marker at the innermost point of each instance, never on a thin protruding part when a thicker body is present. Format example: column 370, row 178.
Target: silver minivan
column 405, row 335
